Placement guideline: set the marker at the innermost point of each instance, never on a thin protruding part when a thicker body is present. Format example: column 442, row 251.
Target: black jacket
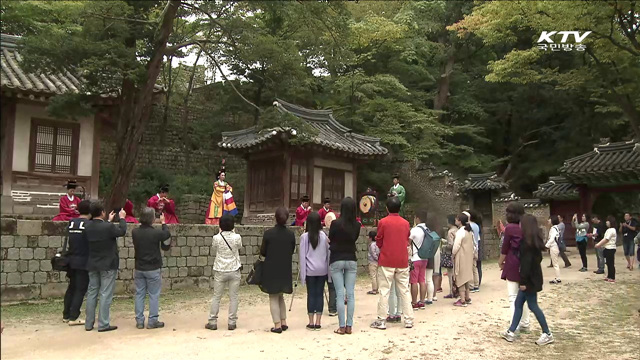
column 103, row 244
column 147, row 242
column 343, row 242
column 278, row 245
column 78, row 246
column 530, row 270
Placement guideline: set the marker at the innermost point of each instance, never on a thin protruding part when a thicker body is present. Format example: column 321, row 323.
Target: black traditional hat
column 305, row 198
column 71, row 184
column 396, row 176
column 326, row 201
column 164, row 188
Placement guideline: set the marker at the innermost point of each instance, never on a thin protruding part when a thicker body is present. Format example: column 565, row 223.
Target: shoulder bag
column 60, row 261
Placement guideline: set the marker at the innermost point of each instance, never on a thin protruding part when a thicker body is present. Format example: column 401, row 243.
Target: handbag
column 230, row 249
column 60, row 261
column 446, row 260
column 255, row 275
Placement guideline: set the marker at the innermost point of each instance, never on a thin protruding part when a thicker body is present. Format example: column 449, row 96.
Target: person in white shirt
column 609, row 244
column 226, row 268
column 420, row 278
column 552, row 245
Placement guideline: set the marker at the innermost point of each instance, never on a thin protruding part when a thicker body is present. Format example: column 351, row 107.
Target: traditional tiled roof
column 511, row 196
column 13, row 77
column 557, row 188
column 330, row 134
column 480, row 182
column 613, row 163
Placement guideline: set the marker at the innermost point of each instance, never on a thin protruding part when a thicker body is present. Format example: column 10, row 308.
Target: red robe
column 168, row 208
column 301, row 215
column 68, row 208
column 128, row 208
column 322, row 212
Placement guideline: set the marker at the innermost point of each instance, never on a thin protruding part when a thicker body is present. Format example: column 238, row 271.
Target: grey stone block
column 43, row 241
column 173, row 272
column 6, row 241
column 128, row 242
column 9, row 266
column 3, row 278
column 211, row 260
column 20, row 241
column 45, row 265
column 34, row 265
column 27, row 278
column 55, row 241
column 182, row 241
column 175, row 251
column 13, row 279
column 207, row 270
column 182, row 283
column 200, row 241
column 195, row 251
column 126, row 274
column 195, row 271
column 204, row 250
column 13, row 254
column 171, row 262
column 185, row 251
column 191, row 261
column 191, row 241
column 242, row 251
column 32, row 241
column 29, row 227
column 208, row 241
column 132, row 252
column 8, row 226
column 26, row 253
column 183, row 271
column 52, row 290
column 131, row 263
column 40, row 277
column 56, row 228
column 202, row 261
column 120, row 242
column 20, row 292
column 204, row 282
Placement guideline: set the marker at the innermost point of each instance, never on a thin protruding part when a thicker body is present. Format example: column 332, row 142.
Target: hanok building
column 608, row 168
column 563, row 199
column 280, row 171
column 39, row 153
column 479, row 190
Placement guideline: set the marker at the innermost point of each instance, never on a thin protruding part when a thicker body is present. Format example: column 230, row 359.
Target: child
column 374, row 252
column 609, row 244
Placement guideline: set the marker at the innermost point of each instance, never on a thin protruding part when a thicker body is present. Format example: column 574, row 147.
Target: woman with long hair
column 582, row 228
column 463, row 253
column 447, row 256
column 510, row 258
column 609, row 244
column 314, row 267
column 343, row 235
column 530, row 280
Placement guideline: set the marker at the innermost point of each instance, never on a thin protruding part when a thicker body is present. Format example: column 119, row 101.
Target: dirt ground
column 589, row 318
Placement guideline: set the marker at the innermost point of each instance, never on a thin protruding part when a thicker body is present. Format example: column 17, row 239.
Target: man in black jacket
column 77, row 254
column 147, row 242
column 102, row 264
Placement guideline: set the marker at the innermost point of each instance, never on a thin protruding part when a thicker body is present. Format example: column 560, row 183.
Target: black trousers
column 315, row 294
column 333, row 305
column 73, row 298
column 479, row 264
column 610, row 259
column 582, row 248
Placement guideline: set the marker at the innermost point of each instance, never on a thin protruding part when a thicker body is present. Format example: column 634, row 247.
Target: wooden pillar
column 95, row 165
column 8, row 111
column 310, row 180
column 585, row 199
column 286, row 178
column 355, row 181
column 247, row 191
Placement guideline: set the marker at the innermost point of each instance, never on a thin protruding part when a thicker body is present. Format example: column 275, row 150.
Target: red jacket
column 168, row 208
column 301, row 215
column 68, row 208
column 393, row 241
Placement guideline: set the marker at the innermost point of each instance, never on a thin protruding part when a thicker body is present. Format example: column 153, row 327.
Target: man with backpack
column 421, row 276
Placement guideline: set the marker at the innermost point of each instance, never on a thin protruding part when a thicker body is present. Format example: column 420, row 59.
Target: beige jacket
column 463, row 257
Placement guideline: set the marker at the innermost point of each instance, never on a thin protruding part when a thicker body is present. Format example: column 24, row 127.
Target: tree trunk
column 629, row 109
column 184, row 120
column 167, row 99
column 442, row 96
column 256, row 100
column 135, row 110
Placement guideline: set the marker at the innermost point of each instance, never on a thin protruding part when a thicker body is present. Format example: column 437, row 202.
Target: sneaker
column 584, row 269
column 566, row 266
column 545, row 339
column 415, row 306
column 231, row 327
column 408, row 324
column 554, row 281
column 508, row 335
column 448, row 296
column 140, row 325
column 435, row 298
column 460, row 303
column 379, row 324
column 76, row 322
column 397, row 319
column 333, row 313
column 311, row 327
column 213, row 326
column 468, row 301
column 155, row 325
column 428, row 303
column 599, row 272
column 65, row 320
column 421, row 305
column 475, row 290
column 108, row 328
column 317, row 327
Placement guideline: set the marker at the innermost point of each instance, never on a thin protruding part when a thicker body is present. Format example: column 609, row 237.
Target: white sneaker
column 508, row 335
column 545, row 339
column 379, row 324
column 408, row 324
column 76, row 322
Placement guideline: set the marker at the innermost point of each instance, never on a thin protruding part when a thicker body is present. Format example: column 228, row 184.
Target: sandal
column 340, row 331
column 348, row 330
column 372, row 292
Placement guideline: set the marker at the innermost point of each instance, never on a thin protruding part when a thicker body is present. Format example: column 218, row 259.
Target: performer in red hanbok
column 302, row 211
column 68, row 203
column 163, row 204
column 128, row 208
column 326, row 208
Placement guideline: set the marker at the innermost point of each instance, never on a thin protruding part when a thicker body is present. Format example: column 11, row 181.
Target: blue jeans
column 147, row 282
column 343, row 274
column 531, row 298
column 315, row 292
column 103, row 283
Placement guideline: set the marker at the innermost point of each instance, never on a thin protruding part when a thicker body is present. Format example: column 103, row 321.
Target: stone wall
column 27, row 247
column 540, row 210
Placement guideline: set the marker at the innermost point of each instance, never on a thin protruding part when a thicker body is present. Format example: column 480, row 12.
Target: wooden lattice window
column 333, row 185
column 54, row 147
column 299, row 181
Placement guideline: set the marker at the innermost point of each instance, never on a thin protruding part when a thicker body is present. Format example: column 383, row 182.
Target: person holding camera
column 226, row 269
column 147, row 242
column 102, row 264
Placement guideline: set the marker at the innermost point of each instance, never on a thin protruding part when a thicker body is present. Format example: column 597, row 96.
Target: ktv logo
column 546, row 41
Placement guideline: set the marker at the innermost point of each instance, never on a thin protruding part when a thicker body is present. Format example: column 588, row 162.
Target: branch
column 172, row 49
column 225, row 77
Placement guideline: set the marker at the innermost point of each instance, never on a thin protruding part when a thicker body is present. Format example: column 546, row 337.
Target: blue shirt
column 476, row 233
